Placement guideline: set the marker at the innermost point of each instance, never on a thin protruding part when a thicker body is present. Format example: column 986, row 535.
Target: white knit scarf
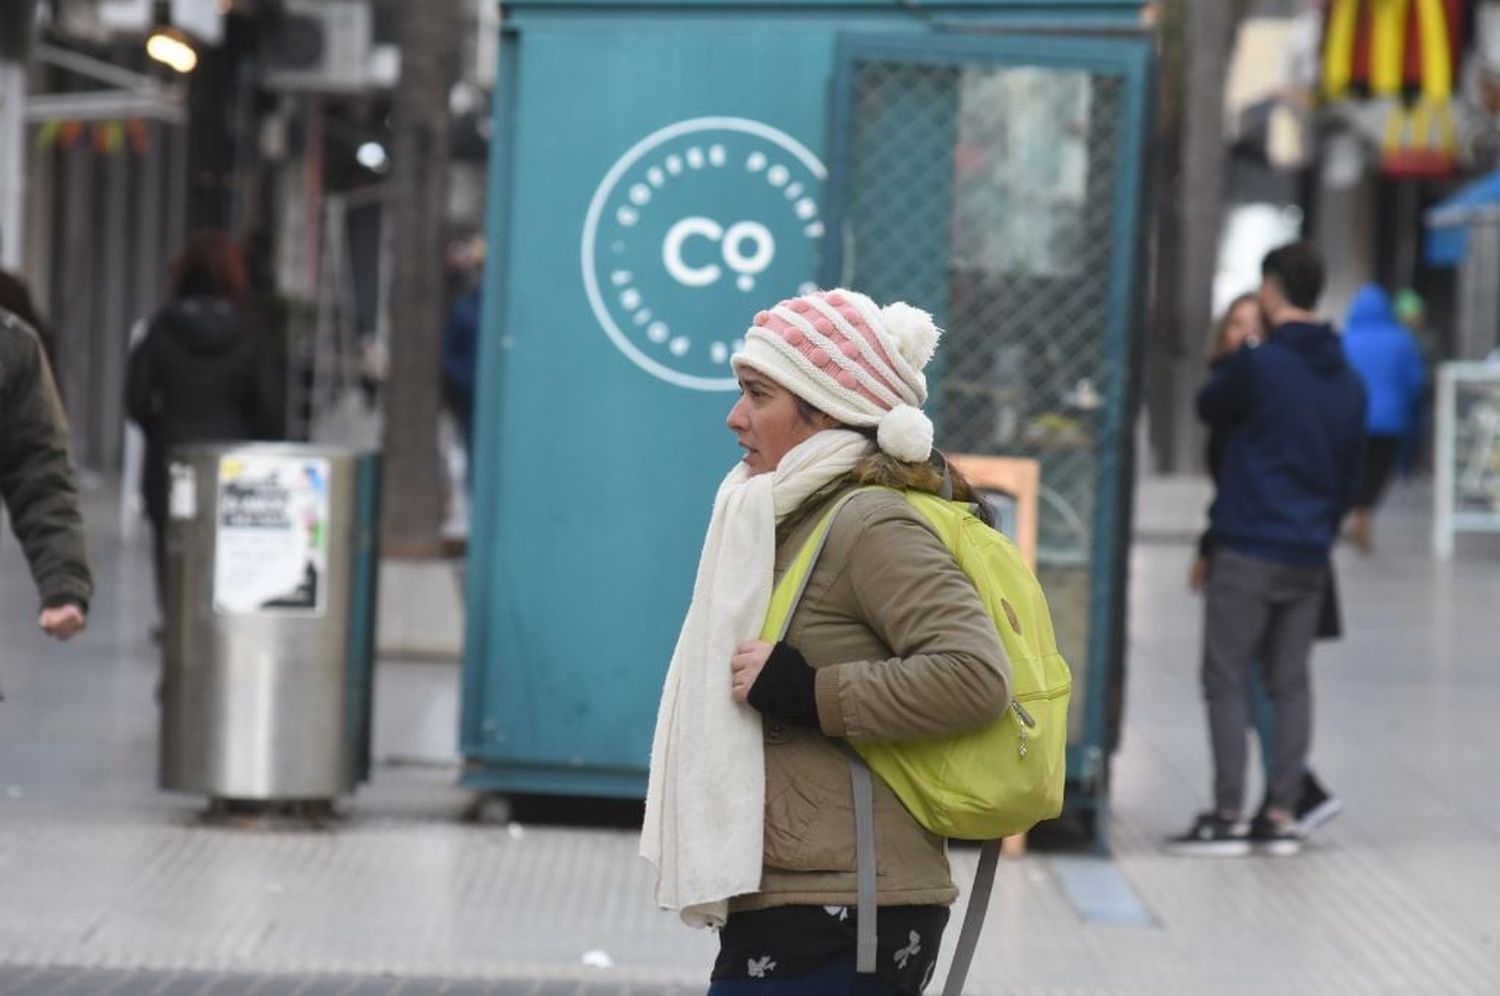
column 706, row 793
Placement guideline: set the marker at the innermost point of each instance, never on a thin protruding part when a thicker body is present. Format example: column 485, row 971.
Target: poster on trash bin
column 271, row 536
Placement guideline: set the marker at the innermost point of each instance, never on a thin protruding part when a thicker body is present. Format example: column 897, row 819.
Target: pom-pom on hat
column 857, row 362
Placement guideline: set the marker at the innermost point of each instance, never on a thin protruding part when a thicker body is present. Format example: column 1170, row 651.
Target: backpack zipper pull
column 1022, row 714
column 1023, row 737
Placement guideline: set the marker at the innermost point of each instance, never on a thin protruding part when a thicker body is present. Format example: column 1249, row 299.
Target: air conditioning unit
column 101, row 20
column 319, row 45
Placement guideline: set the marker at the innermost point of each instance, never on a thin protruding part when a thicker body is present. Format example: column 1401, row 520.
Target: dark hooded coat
column 1293, row 414
column 38, row 482
column 200, row 374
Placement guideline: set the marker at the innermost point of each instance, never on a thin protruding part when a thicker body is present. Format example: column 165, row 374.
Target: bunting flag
column 104, row 137
column 109, row 136
column 139, row 135
column 47, row 133
column 69, row 133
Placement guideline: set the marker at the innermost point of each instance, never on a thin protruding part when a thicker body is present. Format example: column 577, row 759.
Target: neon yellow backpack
column 983, row 785
column 1002, row 778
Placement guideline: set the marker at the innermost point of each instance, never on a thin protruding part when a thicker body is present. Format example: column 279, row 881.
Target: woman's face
column 766, row 422
column 1242, row 326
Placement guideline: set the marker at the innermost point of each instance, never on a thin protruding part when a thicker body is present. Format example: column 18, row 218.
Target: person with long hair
column 749, row 811
column 201, row 373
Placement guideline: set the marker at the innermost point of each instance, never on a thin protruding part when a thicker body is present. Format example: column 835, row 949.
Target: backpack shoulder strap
column 788, row 592
column 865, row 924
column 978, row 906
column 784, row 601
column 864, row 851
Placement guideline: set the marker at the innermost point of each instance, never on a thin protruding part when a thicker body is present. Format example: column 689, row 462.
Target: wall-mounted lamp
column 171, row 48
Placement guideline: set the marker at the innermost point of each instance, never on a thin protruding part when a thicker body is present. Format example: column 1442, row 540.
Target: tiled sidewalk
column 16, row 981
column 121, row 890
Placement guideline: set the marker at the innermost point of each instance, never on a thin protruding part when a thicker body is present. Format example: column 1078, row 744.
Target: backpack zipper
column 1022, row 714
column 1023, row 737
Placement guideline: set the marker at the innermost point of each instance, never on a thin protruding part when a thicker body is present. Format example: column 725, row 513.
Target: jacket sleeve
column 1416, row 375
column 269, row 404
column 140, row 384
column 948, row 671
column 1354, row 474
column 37, row 478
column 1225, row 398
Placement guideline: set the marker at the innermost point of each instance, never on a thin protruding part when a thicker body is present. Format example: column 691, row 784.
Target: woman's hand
column 1198, row 574
column 745, row 666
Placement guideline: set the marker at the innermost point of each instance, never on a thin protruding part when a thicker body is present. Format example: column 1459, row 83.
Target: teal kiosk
column 660, row 173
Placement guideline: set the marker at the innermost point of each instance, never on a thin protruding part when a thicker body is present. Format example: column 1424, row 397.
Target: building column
column 17, row 18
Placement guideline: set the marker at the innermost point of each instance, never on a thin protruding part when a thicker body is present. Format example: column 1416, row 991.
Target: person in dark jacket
column 460, row 356
column 1294, row 414
column 1388, row 360
column 39, row 483
column 1240, row 328
column 201, row 373
column 16, row 299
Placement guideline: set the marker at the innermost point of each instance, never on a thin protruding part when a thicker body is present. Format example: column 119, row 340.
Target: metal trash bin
column 272, row 551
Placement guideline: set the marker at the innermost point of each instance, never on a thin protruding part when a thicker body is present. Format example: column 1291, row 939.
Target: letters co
column 695, row 228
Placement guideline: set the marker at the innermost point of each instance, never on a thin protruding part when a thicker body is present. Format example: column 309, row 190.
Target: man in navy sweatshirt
column 1294, row 414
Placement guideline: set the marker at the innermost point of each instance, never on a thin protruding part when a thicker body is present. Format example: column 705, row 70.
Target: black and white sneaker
column 1277, row 838
column 1211, row 836
column 1316, row 805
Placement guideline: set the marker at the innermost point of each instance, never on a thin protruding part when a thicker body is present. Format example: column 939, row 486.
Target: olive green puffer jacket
column 38, row 482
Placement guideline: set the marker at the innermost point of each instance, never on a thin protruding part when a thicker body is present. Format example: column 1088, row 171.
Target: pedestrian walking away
column 1293, row 411
column 749, row 806
column 200, row 374
column 1411, row 312
column 1389, row 362
column 39, row 483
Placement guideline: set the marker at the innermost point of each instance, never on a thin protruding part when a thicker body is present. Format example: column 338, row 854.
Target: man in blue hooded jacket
column 1294, row 414
column 1389, row 362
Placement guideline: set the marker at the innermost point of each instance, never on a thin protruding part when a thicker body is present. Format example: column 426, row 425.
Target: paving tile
column 483, row 987
column 329, row 986
column 278, row 985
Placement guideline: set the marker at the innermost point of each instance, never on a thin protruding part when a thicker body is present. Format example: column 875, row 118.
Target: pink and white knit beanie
column 860, row 363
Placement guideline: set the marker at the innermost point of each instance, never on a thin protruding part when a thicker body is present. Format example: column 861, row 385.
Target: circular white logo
column 698, row 226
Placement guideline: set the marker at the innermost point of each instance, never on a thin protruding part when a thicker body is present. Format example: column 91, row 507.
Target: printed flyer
column 271, row 536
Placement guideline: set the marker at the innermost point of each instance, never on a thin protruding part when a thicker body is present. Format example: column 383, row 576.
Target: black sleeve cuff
column 59, row 600
column 785, row 689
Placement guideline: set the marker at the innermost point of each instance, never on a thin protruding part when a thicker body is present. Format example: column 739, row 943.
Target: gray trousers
column 1265, row 614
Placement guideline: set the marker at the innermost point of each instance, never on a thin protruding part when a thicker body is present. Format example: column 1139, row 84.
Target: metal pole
column 17, row 22
column 1484, row 247
column 12, row 162
column 413, row 507
column 1442, row 519
column 110, row 334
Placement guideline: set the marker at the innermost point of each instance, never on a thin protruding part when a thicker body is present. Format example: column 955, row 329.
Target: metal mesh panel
column 987, row 194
